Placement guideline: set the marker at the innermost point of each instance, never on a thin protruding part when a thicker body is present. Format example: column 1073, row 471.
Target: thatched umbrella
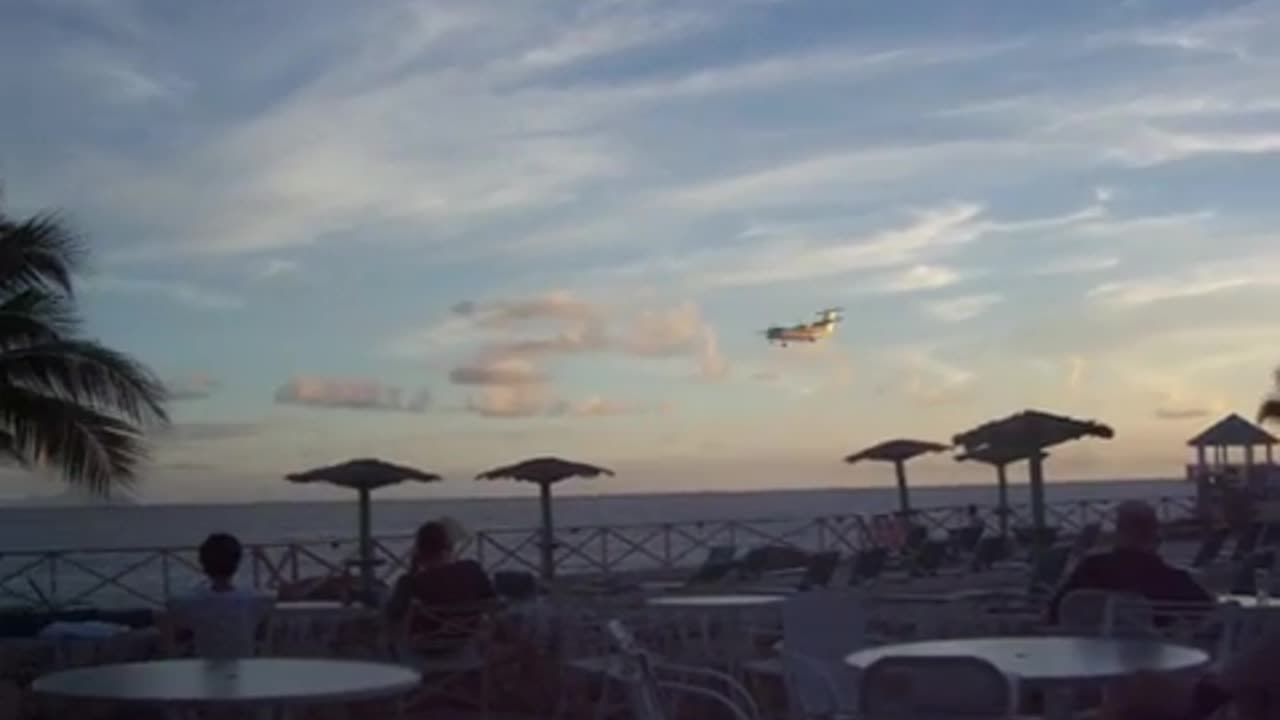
column 364, row 476
column 545, row 471
column 999, row 458
column 898, row 452
column 1269, row 410
column 1027, row 433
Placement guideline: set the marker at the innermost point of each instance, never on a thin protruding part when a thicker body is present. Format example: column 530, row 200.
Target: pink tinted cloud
column 348, row 393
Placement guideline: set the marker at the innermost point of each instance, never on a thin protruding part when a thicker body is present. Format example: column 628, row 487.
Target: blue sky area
column 458, row 233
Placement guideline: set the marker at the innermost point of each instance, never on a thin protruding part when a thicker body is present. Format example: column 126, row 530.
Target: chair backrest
column 644, row 695
column 929, row 557
column 720, row 561
column 939, row 687
column 515, row 584
column 443, row 629
column 966, row 539
column 222, row 625
column 1089, row 611
column 1210, row 547
column 868, row 564
column 818, row 630
column 820, row 569
column 915, row 537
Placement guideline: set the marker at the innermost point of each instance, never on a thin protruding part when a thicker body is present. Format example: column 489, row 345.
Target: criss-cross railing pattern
column 118, row 577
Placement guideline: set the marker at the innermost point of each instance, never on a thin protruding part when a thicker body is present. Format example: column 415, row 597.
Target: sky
column 455, row 234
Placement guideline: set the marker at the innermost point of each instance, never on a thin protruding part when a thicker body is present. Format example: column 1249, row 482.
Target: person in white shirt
column 223, row 620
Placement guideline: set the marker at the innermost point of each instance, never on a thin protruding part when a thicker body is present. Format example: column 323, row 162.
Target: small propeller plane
column 806, row 332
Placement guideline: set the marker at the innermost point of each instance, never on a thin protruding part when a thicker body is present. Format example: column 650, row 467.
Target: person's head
column 1137, row 527
column 433, row 544
column 220, row 556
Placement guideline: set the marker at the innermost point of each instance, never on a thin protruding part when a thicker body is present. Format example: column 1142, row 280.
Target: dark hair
column 220, row 555
column 433, row 539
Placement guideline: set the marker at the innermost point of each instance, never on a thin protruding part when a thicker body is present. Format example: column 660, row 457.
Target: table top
column 226, row 682
column 1052, row 659
column 1249, row 601
column 716, row 601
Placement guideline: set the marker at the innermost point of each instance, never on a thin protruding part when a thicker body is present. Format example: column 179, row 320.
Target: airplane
column 807, row 332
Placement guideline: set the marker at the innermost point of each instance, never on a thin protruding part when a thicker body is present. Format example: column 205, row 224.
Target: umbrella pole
column 366, row 549
column 1002, row 507
column 1035, row 472
column 904, row 501
column 548, row 536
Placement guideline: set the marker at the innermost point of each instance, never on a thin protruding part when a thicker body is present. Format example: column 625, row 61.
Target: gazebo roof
column 1233, row 431
column 899, row 450
column 1028, row 430
column 996, row 455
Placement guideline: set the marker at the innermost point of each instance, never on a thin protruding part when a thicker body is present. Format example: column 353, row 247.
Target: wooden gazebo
column 898, row 452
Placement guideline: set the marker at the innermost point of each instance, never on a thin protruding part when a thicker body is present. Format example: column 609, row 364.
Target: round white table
column 1249, row 601
column 1051, row 660
column 252, row 681
column 1057, row 665
column 712, row 602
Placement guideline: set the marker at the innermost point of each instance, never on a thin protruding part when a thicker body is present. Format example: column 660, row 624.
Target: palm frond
column 94, row 450
column 40, row 251
column 88, row 374
column 34, row 316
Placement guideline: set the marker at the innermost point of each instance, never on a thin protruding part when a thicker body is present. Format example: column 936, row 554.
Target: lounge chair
column 867, row 565
column 1086, row 539
column 1247, row 542
column 1210, row 548
column 991, row 550
column 719, row 563
column 1048, row 570
column 1243, row 581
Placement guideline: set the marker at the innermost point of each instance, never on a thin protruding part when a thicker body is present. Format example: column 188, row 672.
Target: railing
column 121, row 577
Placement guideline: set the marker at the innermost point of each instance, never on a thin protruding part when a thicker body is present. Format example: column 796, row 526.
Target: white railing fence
column 137, row 577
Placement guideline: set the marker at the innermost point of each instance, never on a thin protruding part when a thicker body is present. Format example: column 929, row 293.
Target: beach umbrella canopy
column 545, row 472
column 364, row 476
column 999, row 458
column 1027, row 433
column 897, row 452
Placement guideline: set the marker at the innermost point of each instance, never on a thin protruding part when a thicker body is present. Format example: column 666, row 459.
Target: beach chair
column 935, row 687
column 867, row 565
column 818, row 630
column 719, row 563
column 965, row 540
column 928, row 559
column 1246, row 542
column 1048, row 570
column 819, row 571
column 1086, row 539
column 1210, row 548
column 1243, row 581
column 990, row 550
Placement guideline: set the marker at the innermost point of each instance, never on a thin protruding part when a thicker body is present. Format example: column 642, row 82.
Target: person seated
column 1134, row 565
column 451, row 595
column 221, row 619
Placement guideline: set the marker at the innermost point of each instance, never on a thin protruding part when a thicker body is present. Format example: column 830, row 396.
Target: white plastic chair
column 457, row 649
column 222, row 626
column 936, row 687
column 654, row 688
column 1089, row 611
column 819, row 630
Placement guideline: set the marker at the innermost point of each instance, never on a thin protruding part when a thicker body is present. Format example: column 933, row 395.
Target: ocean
column 137, row 526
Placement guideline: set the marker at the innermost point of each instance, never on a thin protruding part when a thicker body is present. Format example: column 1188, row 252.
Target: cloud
column 594, row 406
column 1182, row 413
column 965, row 307
column 208, row 431
column 183, row 293
column 350, row 394
column 499, row 369
column 511, row 401
column 1193, row 282
column 1076, row 265
column 1076, row 367
column 669, row 331
column 274, row 268
column 191, row 387
column 932, row 382
column 920, row 277
column 712, row 365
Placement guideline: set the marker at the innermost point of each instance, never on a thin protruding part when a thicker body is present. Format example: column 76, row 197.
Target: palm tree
column 65, row 401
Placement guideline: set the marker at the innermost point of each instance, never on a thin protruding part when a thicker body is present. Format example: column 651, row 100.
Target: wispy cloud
column 1189, row 283
column 183, row 293
column 965, row 307
column 350, row 394
column 1075, row 265
column 191, row 387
